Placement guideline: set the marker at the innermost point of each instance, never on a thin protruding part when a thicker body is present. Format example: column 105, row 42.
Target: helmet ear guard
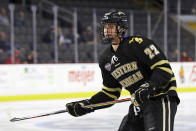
column 121, row 32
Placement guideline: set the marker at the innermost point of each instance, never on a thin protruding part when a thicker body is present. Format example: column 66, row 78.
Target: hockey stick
column 63, row 111
column 108, row 103
column 24, row 118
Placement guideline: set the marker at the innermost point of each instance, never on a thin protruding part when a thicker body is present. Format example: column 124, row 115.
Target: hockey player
column 138, row 65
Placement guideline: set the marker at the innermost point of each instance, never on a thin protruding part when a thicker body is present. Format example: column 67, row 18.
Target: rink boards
column 60, row 81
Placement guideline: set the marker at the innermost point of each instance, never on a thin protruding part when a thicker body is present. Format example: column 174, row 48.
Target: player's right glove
column 143, row 94
column 77, row 108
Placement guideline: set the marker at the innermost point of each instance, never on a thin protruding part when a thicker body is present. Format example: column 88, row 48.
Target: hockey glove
column 77, row 108
column 142, row 95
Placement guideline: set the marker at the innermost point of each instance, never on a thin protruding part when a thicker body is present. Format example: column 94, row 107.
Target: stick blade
column 15, row 119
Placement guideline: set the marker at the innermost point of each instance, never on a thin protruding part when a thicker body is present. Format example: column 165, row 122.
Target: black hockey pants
column 156, row 115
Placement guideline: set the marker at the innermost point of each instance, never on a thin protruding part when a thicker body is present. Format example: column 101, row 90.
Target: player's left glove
column 143, row 94
column 77, row 108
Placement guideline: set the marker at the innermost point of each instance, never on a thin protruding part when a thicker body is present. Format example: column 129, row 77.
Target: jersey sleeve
column 110, row 91
column 151, row 55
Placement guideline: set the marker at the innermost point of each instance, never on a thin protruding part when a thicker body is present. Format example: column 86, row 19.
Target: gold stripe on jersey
column 159, row 63
column 171, row 88
column 166, row 69
column 110, row 95
column 172, row 79
column 112, row 89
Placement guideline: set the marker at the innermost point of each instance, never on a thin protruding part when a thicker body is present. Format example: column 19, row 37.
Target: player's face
column 110, row 30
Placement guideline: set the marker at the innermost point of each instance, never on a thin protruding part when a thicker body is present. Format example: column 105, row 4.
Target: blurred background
column 66, row 31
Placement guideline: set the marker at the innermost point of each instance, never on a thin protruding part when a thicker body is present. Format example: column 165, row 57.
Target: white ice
column 102, row 120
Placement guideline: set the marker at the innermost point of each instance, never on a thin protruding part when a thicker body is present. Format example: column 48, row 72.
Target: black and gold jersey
column 137, row 60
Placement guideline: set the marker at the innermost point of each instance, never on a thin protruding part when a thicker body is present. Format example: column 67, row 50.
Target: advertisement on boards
column 69, row 78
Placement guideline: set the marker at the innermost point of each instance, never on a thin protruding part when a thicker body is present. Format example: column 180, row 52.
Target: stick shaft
column 63, row 111
column 25, row 118
column 108, row 103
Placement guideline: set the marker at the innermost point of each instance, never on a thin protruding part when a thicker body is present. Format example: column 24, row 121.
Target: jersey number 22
column 151, row 51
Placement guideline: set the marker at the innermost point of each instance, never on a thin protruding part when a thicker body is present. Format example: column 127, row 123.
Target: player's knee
column 123, row 124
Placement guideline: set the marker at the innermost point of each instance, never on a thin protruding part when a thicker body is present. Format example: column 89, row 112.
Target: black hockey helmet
column 116, row 17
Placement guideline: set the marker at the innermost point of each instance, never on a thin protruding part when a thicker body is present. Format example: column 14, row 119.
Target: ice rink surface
column 101, row 120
